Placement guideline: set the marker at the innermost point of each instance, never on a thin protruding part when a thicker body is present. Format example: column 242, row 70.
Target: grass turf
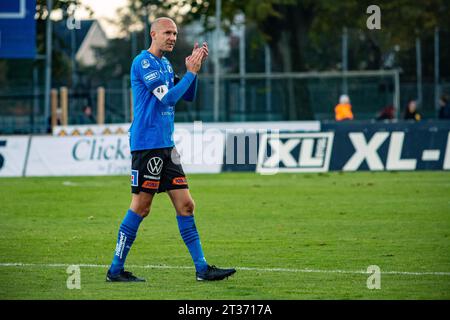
column 323, row 222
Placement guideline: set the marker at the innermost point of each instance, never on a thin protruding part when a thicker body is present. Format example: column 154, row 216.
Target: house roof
column 63, row 35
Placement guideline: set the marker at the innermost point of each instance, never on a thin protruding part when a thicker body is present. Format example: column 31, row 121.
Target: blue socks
column 127, row 234
column 189, row 233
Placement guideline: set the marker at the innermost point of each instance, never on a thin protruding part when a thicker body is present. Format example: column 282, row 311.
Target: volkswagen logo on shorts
column 154, row 165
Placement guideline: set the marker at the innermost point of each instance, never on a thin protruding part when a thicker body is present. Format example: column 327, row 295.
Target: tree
column 306, row 35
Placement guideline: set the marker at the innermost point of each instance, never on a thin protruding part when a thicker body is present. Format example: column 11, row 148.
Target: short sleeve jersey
column 153, row 121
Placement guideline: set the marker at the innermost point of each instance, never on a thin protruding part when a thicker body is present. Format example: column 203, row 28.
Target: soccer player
column 155, row 161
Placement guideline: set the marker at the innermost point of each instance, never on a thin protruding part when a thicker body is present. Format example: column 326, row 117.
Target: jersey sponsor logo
column 145, row 63
column 154, row 166
column 179, row 181
column 134, row 178
column 295, row 152
column 150, row 184
column 151, row 76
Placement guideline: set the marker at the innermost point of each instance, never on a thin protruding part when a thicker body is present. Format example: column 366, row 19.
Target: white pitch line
column 65, row 265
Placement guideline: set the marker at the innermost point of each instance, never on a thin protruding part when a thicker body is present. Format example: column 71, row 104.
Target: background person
column 411, row 111
column 87, row 116
column 444, row 107
column 343, row 111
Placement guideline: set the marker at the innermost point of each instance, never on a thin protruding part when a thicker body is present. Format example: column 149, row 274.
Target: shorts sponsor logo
column 154, row 166
column 134, row 178
column 145, row 63
column 146, row 176
column 295, row 152
column 179, row 181
column 151, row 76
column 150, row 184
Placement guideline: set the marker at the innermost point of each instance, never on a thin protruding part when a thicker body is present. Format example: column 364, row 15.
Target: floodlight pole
column 344, row 60
column 436, row 69
column 48, row 63
column 419, row 70
column 268, row 70
column 216, row 61
column 147, row 29
column 73, row 44
column 397, row 92
column 242, row 67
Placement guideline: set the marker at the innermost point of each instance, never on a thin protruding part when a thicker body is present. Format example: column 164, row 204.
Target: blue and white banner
column 337, row 147
column 17, row 29
column 391, row 147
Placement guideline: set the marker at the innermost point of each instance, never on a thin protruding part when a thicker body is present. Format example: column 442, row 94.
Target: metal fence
column 253, row 97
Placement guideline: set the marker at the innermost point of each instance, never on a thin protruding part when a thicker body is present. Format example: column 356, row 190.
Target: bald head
column 161, row 23
column 164, row 36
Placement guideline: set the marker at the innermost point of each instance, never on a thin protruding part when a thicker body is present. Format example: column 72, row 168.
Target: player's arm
column 171, row 97
column 192, row 91
column 153, row 80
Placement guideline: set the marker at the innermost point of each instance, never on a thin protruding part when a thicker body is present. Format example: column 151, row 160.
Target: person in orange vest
column 343, row 111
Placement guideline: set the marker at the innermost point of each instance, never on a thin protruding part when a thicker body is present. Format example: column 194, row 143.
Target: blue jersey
column 154, row 98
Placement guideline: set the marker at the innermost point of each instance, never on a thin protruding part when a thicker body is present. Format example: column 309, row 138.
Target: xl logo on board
column 294, row 152
column 368, row 150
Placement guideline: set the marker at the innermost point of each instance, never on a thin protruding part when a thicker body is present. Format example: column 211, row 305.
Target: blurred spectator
column 343, row 111
column 411, row 111
column 87, row 117
column 387, row 113
column 444, row 107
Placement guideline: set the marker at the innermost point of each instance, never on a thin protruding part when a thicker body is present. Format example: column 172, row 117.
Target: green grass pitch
column 291, row 236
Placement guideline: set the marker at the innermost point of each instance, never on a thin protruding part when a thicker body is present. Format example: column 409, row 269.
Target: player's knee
column 145, row 212
column 141, row 209
column 188, row 208
column 141, row 204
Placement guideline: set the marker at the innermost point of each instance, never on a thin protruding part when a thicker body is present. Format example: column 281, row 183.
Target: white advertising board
column 110, row 155
column 13, row 151
column 79, row 156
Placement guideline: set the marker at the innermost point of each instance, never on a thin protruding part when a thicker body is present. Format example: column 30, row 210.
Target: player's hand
column 194, row 61
column 204, row 48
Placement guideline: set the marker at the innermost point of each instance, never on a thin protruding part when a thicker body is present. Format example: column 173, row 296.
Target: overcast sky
column 103, row 9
